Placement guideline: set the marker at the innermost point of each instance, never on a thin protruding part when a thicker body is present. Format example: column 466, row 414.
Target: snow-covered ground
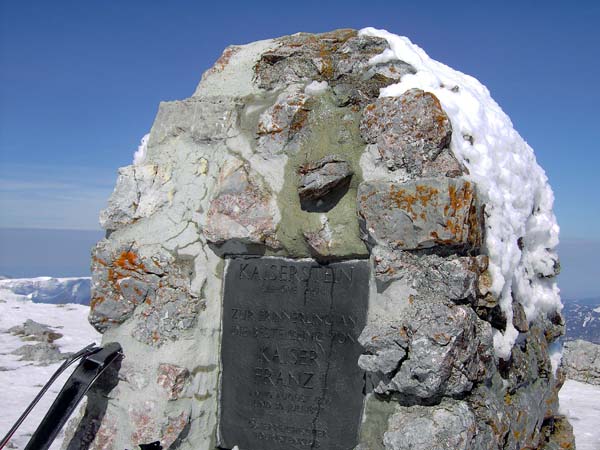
column 20, row 381
column 580, row 402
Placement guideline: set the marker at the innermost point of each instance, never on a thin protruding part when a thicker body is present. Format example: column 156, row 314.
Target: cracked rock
column 448, row 426
column 410, row 131
column 140, row 192
column 242, row 209
column 449, row 349
column 156, row 288
column 320, row 177
column 453, row 277
column 430, row 212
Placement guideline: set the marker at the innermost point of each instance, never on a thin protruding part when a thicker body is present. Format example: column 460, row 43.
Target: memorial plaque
column 290, row 377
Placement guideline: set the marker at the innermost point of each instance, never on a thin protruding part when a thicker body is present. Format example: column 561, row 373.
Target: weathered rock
column 453, row 277
column 421, row 214
column 511, row 408
column 43, row 353
column 320, row 177
column 149, row 428
column 410, row 131
column 450, row 425
column 321, row 242
column 34, row 331
column 134, row 376
column 140, row 191
column 339, row 57
column 278, row 125
column 448, row 347
column 581, row 361
column 520, row 321
column 242, row 210
column 172, row 379
column 159, row 285
column 558, row 434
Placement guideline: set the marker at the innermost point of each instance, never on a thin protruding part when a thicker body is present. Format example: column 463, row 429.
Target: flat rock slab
column 321, row 177
column 290, row 377
column 421, row 214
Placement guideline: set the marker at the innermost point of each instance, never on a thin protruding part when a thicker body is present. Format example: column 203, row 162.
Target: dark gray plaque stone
column 290, row 349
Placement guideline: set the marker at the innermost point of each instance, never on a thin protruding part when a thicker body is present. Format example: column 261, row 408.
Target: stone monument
column 335, row 243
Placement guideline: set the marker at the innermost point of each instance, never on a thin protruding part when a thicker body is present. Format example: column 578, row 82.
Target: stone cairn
column 265, row 159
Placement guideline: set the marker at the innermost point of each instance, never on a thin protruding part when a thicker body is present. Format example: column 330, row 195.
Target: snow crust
column 140, row 154
column 556, row 354
column 51, row 290
column 521, row 230
column 316, row 88
column 580, row 402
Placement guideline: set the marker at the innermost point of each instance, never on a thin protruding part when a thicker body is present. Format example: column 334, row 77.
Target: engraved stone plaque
column 290, row 353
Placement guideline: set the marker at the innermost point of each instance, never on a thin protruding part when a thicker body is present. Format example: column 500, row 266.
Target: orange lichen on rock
column 406, row 200
column 128, row 260
column 95, row 301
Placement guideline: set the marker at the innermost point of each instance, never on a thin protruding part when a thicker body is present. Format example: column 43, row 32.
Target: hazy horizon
column 33, row 252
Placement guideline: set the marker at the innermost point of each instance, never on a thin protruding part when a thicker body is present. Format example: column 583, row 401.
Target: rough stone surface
column 421, row 214
column 581, row 361
column 140, row 191
column 279, row 124
column 378, row 179
column 409, row 131
column 558, row 435
column 157, row 288
column 437, row 350
column 42, row 353
column 242, row 209
column 454, row 277
column 148, row 428
column 34, row 331
column 340, row 57
column 319, row 178
column 172, row 379
column 448, row 426
column 521, row 396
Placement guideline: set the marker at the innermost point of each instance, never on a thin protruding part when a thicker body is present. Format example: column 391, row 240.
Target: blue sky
column 80, row 83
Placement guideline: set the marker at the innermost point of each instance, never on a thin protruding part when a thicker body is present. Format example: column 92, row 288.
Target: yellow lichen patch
column 202, row 167
column 458, row 198
column 407, row 200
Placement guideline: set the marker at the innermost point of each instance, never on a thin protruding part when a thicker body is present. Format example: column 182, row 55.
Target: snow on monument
column 335, row 243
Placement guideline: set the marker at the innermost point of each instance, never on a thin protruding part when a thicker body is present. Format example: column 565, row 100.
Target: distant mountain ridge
column 583, row 319
column 51, row 290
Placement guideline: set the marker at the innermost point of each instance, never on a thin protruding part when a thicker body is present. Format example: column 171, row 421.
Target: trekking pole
column 93, row 362
column 88, row 350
